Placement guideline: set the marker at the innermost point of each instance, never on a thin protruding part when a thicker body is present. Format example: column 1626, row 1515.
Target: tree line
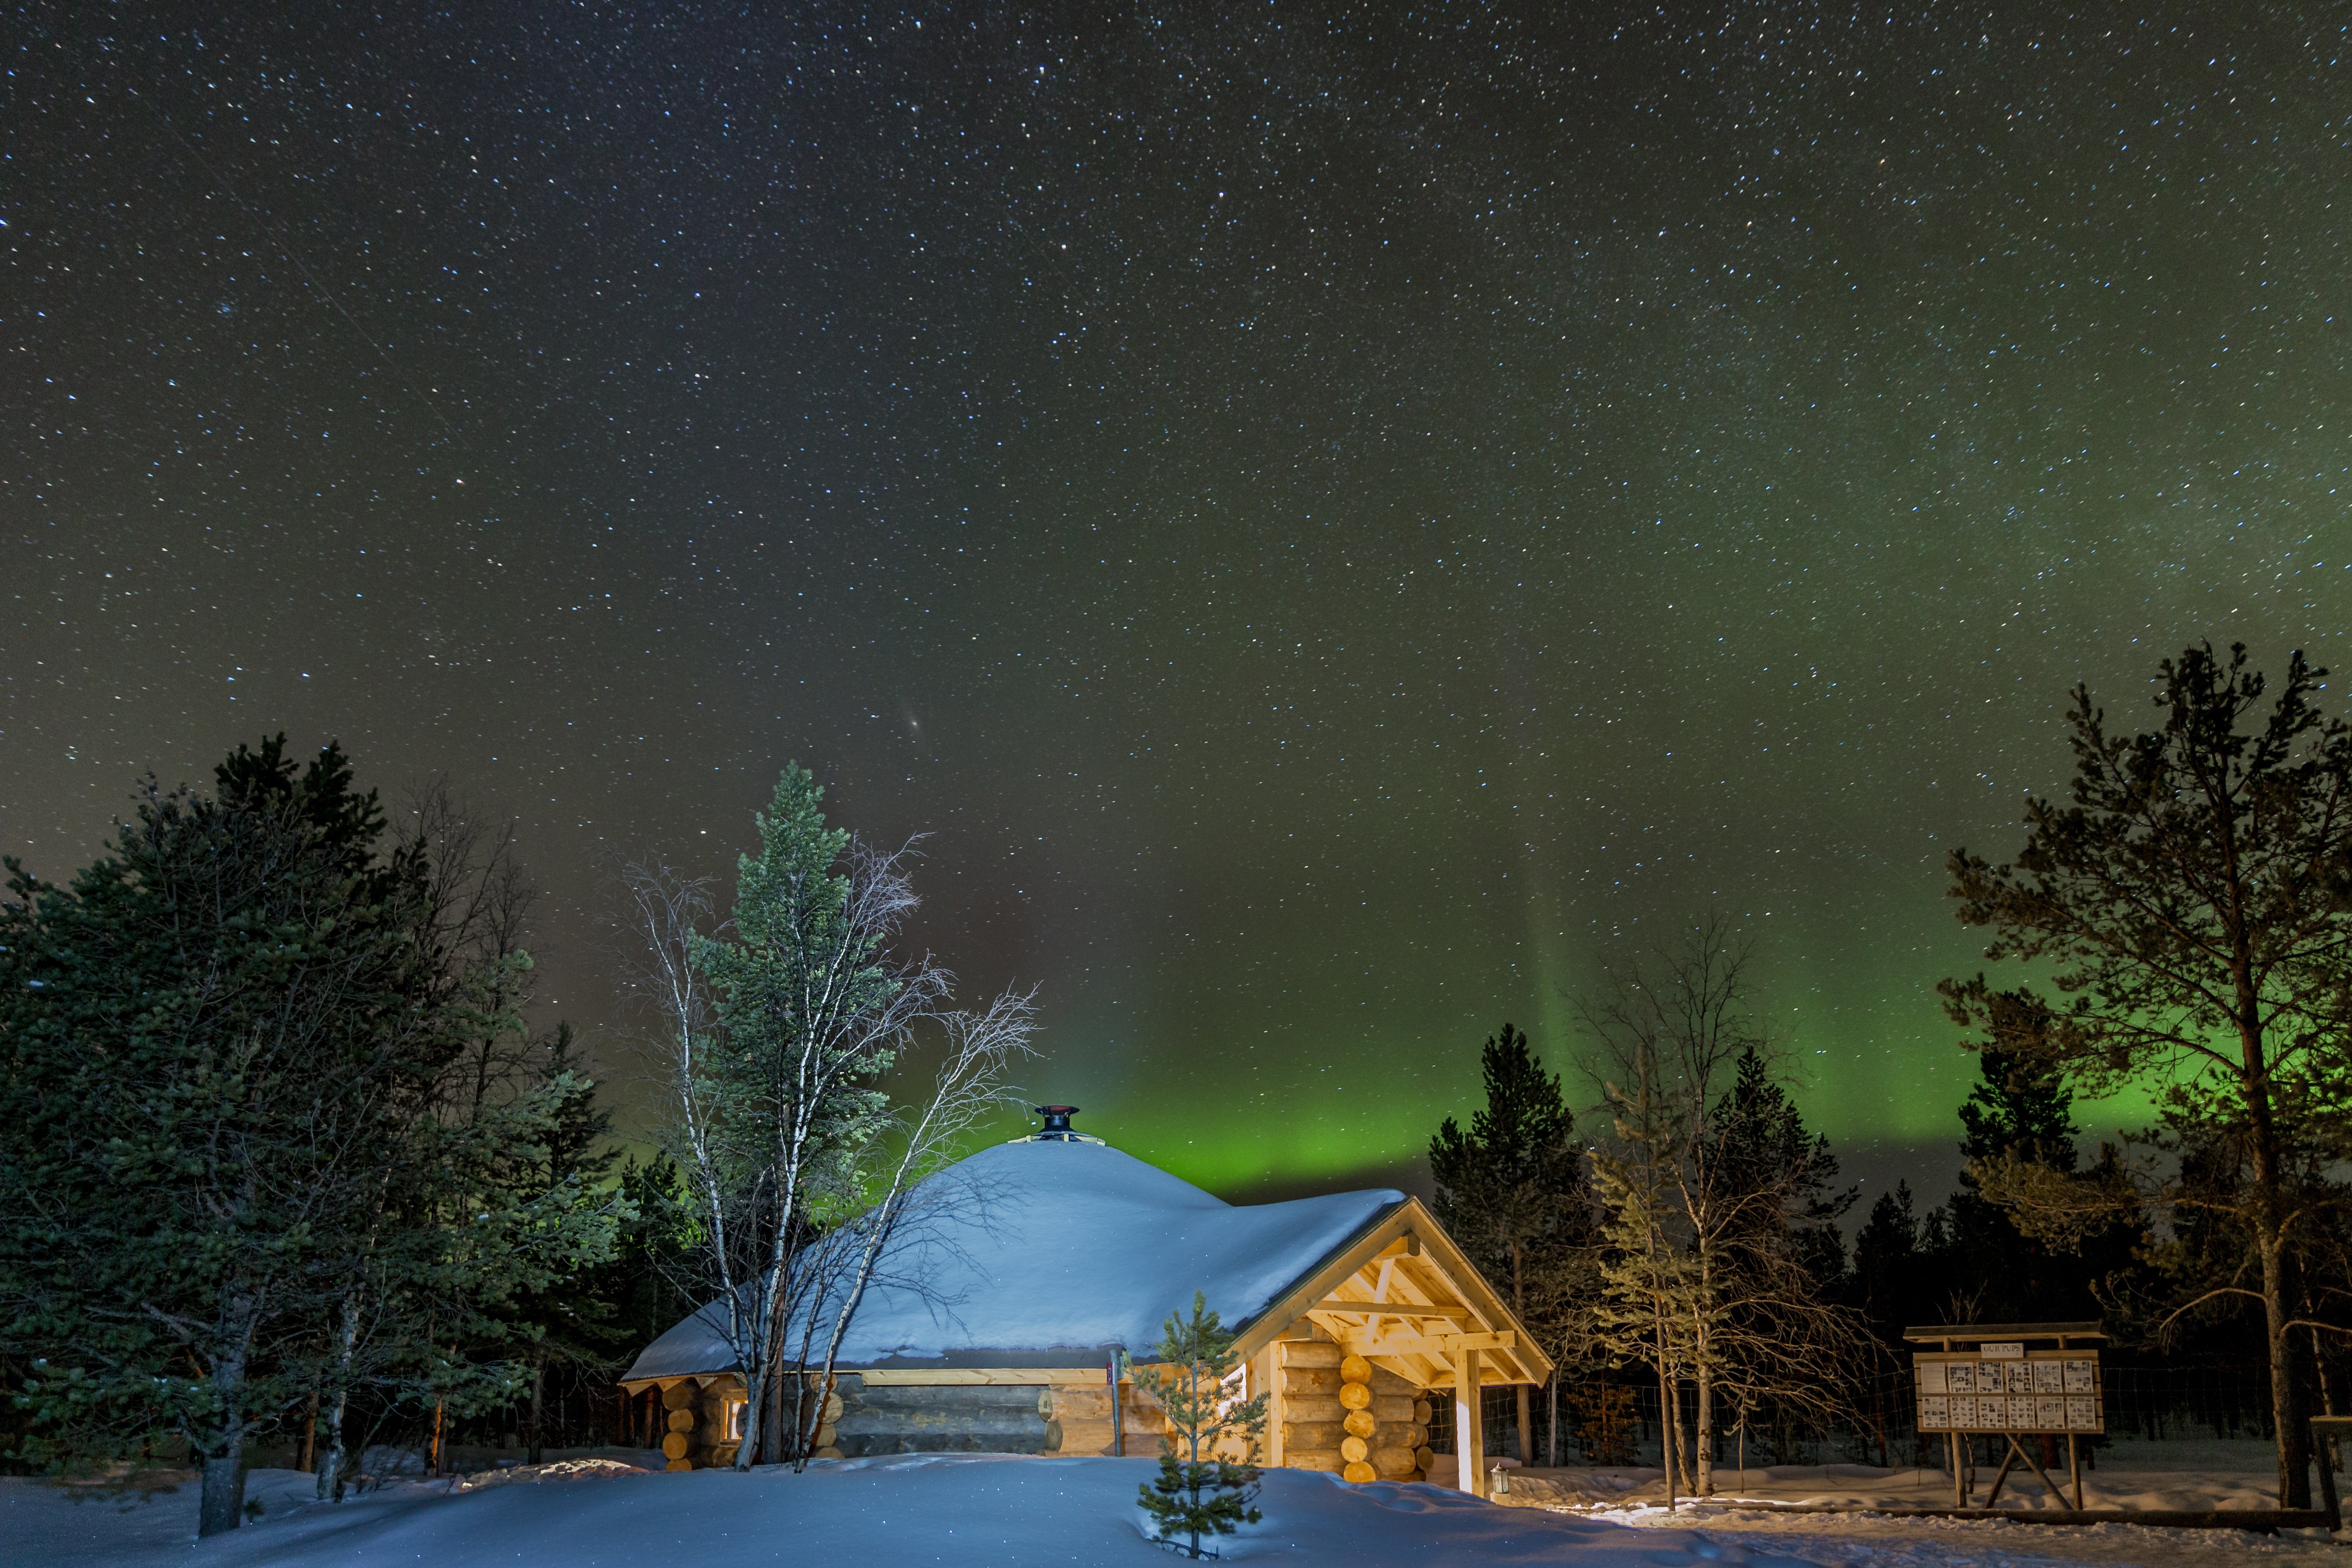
column 287, row 1156
column 283, row 1145
column 2183, row 922
column 277, row 1135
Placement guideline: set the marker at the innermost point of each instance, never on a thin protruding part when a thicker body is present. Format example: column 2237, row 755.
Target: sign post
column 2013, row 1380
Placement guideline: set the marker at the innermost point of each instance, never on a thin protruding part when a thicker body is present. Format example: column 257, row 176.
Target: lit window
column 735, row 1408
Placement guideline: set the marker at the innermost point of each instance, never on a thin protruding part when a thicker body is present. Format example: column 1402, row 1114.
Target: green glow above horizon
column 1553, row 484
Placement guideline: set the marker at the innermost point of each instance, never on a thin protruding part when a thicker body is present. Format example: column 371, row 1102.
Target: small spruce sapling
column 1198, row 1492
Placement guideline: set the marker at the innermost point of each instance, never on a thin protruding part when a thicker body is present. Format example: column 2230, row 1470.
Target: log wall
column 1316, row 1420
column 935, row 1418
column 1071, row 1418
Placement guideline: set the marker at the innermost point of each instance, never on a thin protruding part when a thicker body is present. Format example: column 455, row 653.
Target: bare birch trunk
column 330, row 1464
column 1551, row 1438
column 1522, row 1440
column 1683, row 1442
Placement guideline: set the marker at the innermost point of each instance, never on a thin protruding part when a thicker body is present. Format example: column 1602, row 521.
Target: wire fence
column 1615, row 1420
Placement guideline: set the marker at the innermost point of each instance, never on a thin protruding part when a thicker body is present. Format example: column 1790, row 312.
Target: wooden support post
column 2007, row 1461
column 2074, row 1470
column 1116, row 1378
column 1469, row 1425
column 1277, row 1403
column 1959, row 1481
column 2321, row 1449
column 2048, row 1484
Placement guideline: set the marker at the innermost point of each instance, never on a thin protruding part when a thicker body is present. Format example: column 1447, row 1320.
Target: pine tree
column 1208, row 1478
column 1512, row 1190
column 2188, row 903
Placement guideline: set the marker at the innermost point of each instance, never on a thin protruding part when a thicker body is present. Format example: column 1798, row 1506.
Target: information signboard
column 2007, row 1388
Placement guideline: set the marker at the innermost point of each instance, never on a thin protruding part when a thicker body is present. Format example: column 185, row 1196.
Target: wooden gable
column 1405, row 1297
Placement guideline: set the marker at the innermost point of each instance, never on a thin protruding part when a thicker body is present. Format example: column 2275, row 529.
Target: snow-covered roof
column 1031, row 1251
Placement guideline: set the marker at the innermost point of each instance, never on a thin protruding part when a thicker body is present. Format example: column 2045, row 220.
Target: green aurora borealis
column 1339, row 526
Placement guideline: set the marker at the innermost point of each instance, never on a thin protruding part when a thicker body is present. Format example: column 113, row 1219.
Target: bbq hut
column 1043, row 1279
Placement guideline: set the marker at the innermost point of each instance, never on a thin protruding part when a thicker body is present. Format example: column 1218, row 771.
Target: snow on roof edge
column 1122, row 1290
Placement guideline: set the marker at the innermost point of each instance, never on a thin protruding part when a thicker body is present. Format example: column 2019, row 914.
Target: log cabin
column 1014, row 1319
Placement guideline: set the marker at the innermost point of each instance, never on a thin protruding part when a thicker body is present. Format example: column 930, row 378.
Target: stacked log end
column 678, row 1403
column 1359, row 1423
column 1311, row 1410
column 828, row 1433
column 1364, row 1427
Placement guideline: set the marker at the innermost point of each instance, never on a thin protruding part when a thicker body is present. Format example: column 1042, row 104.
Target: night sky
column 1337, row 522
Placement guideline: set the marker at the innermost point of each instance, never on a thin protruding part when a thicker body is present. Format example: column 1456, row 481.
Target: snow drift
column 959, row 1511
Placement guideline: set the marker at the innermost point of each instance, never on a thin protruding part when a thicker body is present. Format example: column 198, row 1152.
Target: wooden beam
column 1395, row 1309
column 1530, row 1364
column 1434, row 1345
column 1418, row 1371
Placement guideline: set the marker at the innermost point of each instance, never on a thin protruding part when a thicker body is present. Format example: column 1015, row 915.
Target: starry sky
column 1340, row 522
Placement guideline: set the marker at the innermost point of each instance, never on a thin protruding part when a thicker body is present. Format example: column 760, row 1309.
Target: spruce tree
column 1199, row 1489
column 210, row 1052
column 251, row 1164
column 1512, row 1191
column 567, row 1317
column 2019, row 1117
column 811, row 1007
column 1761, row 1145
column 1887, row 1263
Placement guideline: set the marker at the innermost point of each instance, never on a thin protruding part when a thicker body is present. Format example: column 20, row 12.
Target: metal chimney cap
column 1057, row 1129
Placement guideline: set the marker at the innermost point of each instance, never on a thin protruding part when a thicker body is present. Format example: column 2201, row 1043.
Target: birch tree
column 1644, row 1315
column 1705, row 1187
column 778, row 1028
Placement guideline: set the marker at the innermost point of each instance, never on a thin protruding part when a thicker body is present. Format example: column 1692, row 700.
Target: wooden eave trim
column 1410, row 1217
column 636, row 1386
column 977, row 1376
column 912, row 1377
column 1310, row 1288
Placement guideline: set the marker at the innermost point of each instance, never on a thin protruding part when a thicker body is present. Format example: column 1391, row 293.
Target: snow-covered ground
column 2210, row 1475
column 967, row 1511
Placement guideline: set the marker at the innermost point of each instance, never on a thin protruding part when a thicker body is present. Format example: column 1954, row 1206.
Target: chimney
column 1057, row 1128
